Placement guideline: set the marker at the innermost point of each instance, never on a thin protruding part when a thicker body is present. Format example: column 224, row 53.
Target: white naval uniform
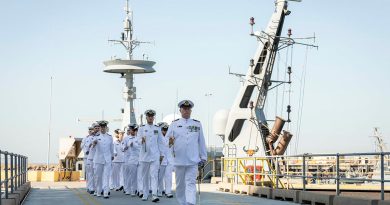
column 91, row 184
column 150, row 156
column 163, row 165
column 190, row 148
column 131, row 162
column 117, row 166
column 102, row 161
column 126, row 153
column 85, row 147
column 168, row 170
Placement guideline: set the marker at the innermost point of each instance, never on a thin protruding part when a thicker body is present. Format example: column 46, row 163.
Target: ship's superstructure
column 128, row 67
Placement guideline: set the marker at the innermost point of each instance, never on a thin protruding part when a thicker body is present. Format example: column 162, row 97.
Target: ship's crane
column 246, row 117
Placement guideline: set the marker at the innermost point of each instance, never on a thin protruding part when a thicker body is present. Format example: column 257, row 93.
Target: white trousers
column 150, row 169
column 161, row 177
column 102, row 178
column 90, row 175
column 116, row 175
column 126, row 177
column 132, row 182
column 168, row 179
column 140, row 179
column 186, row 184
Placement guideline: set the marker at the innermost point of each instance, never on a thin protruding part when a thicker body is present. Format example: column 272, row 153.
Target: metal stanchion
column 337, row 174
column 277, row 172
column 20, row 170
column 6, row 174
column 1, row 182
column 222, row 169
column 12, row 172
column 236, row 170
column 382, row 177
column 303, row 172
column 254, row 172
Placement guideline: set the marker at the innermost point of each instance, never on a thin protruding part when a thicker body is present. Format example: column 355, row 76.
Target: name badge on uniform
column 155, row 132
column 179, row 126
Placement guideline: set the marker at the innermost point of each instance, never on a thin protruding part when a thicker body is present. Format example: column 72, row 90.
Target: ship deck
column 45, row 193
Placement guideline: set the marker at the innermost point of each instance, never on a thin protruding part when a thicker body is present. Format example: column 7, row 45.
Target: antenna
column 128, row 66
column 127, row 39
column 50, row 114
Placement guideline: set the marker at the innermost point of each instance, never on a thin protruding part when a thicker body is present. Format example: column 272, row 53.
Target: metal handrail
column 16, row 166
column 231, row 169
column 212, row 170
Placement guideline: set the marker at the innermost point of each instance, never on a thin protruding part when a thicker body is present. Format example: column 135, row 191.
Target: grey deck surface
column 73, row 193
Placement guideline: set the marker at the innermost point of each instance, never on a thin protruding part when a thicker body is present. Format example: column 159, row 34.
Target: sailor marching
column 140, row 159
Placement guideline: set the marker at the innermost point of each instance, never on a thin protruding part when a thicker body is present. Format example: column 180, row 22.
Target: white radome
column 171, row 117
column 220, row 121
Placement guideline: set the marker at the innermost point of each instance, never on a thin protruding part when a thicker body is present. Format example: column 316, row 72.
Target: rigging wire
column 301, row 100
column 277, row 87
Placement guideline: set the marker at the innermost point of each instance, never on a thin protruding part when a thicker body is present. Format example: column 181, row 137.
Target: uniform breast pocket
column 193, row 137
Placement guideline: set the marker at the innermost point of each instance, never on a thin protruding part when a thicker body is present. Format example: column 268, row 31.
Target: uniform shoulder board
column 142, row 125
column 176, row 120
column 196, row 120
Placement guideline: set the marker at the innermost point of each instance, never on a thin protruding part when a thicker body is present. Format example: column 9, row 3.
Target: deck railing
column 309, row 170
column 13, row 173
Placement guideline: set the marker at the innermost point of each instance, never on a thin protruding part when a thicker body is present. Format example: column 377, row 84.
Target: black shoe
column 91, row 192
column 141, row 195
column 101, row 193
column 150, row 191
column 169, row 196
column 155, row 199
column 121, row 188
column 109, row 193
column 116, row 189
column 106, row 197
column 163, row 192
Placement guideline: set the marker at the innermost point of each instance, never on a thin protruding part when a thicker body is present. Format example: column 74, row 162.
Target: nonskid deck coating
column 73, row 193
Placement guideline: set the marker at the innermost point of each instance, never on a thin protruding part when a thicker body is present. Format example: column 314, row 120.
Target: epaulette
column 195, row 120
column 142, row 125
column 176, row 120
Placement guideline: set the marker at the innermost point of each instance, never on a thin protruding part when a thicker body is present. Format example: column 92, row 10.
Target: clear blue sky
column 347, row 82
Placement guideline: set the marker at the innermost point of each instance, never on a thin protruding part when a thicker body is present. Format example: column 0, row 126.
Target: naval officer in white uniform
column 102, row 160
column 131, row 148
column 85, row 147
column 186, row 136
column 117, row 163
column 91, row 154
column 150, row 155
column 163, row 184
